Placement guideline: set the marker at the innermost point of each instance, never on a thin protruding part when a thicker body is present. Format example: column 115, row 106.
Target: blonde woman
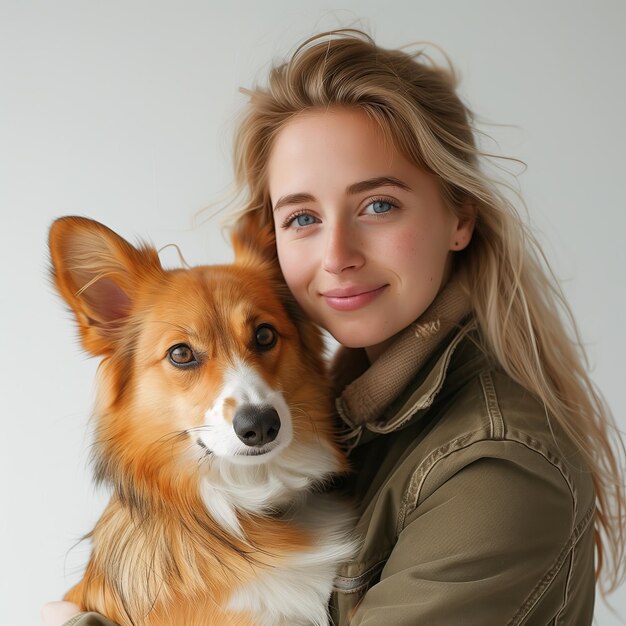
column 486, row 467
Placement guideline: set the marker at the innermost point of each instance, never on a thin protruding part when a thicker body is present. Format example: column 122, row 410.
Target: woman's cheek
column 293, row 269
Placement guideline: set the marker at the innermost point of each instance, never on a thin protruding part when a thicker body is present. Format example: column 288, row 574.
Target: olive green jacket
column 473, row 507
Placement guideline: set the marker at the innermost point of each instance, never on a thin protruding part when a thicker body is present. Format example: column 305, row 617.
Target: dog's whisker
column 300, row 411
column 203, row 427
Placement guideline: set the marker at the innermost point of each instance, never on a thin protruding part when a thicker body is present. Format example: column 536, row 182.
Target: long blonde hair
column 525, row 320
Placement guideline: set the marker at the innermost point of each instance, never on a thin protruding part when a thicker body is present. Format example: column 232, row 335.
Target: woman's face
column 363, row 236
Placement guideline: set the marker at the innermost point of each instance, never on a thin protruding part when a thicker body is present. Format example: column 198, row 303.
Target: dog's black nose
column 256, row 425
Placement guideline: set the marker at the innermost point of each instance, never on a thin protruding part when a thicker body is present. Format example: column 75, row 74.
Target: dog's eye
column 182, row 355
column 265, row 337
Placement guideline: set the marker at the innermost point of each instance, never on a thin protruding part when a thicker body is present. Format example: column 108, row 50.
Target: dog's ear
column 254, row 241
column 97, row 273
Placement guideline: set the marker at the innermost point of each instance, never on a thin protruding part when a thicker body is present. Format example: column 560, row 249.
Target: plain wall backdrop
column 124, row 110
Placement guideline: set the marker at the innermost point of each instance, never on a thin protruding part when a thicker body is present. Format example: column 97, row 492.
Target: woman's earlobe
column 460, row 245
column 465, row 226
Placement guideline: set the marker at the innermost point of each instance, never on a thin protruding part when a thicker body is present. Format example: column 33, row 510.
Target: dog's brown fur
column 158, row 557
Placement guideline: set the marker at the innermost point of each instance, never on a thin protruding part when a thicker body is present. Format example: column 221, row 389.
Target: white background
column 123, row 111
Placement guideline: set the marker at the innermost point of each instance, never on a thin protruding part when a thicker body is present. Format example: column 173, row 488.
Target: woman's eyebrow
column 379, row 181
column 293, row 198
column 360, row 187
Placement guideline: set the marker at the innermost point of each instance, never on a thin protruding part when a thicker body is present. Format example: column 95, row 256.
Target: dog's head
column 208, row 373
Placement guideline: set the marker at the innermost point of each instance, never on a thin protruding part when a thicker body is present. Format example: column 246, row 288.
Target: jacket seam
column 542, row 586
column 491, row 404
column 412, row 494
column 567, row 585
column 354, row 584
column 491, row 399
column 531, row 444
column 411, row 497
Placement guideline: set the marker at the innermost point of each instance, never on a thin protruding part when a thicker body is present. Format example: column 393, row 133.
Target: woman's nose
column 342, row 250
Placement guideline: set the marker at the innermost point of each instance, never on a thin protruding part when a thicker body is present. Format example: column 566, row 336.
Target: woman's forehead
column 341, row 148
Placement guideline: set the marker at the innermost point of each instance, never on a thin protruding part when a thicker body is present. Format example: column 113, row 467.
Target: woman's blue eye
column 304, row 219
column 380, row 206
column 299, row 220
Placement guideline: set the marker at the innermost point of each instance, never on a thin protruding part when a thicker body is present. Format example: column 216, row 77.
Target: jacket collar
column 364, row 402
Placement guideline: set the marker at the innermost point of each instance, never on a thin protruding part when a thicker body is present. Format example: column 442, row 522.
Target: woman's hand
column 57, row 613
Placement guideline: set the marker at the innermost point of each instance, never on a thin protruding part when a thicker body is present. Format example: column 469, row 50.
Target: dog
column 213, row 428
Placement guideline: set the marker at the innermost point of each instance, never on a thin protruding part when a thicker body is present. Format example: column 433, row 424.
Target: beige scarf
column 365, row 398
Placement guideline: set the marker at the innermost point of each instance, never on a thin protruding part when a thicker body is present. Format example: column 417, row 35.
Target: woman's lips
column 351, row 299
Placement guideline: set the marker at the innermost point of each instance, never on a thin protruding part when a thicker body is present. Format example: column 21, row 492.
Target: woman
column 486, row 471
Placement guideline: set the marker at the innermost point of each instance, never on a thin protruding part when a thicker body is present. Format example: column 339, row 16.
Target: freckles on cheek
column 404, row 246
column 416, row 258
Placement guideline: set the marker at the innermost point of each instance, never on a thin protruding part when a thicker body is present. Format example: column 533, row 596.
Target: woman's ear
column 464, row 225
column 98, row 274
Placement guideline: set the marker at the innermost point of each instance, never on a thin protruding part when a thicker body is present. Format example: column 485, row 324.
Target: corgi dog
column 213, row 428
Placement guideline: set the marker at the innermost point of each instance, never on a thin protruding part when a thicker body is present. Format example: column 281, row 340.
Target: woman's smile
column 351, row 298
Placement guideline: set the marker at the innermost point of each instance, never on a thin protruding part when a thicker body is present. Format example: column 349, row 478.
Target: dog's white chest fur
column 297, row 594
